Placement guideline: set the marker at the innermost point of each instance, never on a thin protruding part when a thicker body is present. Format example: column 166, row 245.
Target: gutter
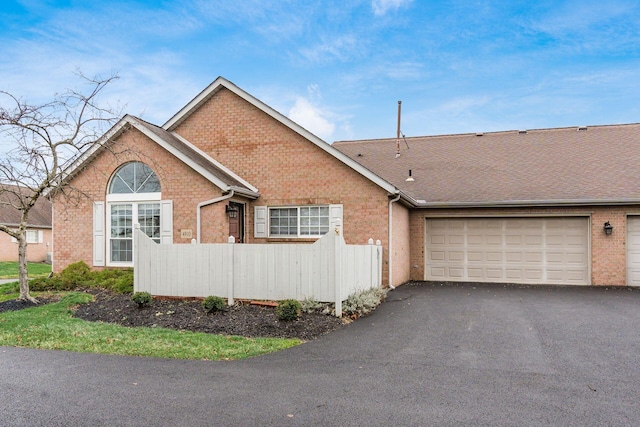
column 524, row 203
column 207, row 203
column 391, row 202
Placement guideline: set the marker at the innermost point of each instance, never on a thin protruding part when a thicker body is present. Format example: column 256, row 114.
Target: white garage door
column 508, row 250
column 633, row 250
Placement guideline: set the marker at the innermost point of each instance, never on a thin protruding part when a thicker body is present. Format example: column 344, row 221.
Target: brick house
column 225, row 164
column 39, row 234
column 515, row 207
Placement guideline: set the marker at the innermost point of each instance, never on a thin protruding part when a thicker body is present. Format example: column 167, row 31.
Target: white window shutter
column 40, row 236
column 98, row 234
column 166, row 222
column 260, row 222
column 335, row 213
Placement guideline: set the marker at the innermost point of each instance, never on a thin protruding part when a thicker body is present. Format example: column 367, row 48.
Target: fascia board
column 527, row 203
column 222, row 82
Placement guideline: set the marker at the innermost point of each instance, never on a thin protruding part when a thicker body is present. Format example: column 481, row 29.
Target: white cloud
column 381, row 7
column 312, row 118
column 341, row 48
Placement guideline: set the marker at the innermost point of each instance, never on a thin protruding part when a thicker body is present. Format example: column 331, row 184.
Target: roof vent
column 582, row 128
column 522, row 132
column 479, row 134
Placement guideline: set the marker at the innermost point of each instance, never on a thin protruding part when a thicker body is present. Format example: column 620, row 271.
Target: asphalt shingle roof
column 39, row 215
column 598, row 164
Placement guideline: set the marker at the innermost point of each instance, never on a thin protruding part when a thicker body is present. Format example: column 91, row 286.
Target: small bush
column 288, row 309
column 141, row 298
column 213, row 304
column 79, row 275
column 362, row 303
column 310, row 305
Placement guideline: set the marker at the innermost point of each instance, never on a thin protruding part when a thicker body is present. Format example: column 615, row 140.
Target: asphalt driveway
column 431, row 355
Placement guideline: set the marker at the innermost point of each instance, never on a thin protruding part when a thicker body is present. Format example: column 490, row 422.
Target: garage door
column 633, row 251
column 508, row 250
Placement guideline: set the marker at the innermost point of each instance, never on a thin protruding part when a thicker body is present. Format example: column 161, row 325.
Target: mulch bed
column 242, row 319
column 14, row 304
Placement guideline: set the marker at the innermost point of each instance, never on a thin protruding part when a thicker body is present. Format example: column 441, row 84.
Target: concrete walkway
column 431, row 355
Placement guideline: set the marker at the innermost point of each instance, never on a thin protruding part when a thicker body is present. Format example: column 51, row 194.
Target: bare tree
column 42, row 140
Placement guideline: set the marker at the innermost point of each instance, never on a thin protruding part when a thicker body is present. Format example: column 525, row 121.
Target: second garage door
column 508, row 250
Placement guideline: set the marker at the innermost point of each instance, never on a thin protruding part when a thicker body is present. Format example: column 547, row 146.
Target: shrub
column 141, row 298
column 364, row 302
column 78, row 275
column 310, row 305
column 288, row 309
column 213, row 304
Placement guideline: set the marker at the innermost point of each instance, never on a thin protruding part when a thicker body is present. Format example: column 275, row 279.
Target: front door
column 236, row 223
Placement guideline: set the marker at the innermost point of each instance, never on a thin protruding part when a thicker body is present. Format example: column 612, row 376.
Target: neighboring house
column 514, row 207
column 39, row 236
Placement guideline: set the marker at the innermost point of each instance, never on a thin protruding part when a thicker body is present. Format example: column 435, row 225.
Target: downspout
column 207, row 203
column 391, row 202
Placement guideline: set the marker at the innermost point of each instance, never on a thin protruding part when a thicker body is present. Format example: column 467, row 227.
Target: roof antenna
column 398, row 132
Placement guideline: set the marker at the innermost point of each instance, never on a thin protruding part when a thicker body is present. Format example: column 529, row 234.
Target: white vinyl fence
column 328, row 270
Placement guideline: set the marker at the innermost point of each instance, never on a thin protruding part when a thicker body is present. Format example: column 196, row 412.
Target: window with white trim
column 134, row 198
column 32, row 236
column 299, row 221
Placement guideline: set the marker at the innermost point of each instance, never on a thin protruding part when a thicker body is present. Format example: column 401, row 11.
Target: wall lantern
column 608, row 228
column 232, row 211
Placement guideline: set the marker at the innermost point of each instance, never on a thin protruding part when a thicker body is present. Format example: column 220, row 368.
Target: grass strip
column 9, row 269
column 52, row 327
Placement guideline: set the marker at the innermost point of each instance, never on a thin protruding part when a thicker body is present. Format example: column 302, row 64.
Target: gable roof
column 561, row 166
column 221, row 82
column 189, row 154
column 39, row 215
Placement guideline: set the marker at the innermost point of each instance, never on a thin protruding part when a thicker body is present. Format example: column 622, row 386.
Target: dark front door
column 236, row 224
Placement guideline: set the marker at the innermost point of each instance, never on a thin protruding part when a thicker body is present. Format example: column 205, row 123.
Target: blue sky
column 338, row 68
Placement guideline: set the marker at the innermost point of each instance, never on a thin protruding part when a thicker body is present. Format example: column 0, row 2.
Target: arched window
column 133, row 198
column 134, row 177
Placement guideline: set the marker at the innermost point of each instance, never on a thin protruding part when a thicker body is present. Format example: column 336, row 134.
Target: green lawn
column 9, row 269
column 52, row 326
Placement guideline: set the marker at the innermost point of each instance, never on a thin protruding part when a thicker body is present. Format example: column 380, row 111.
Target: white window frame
column 36, row 237
column 298, row 235
column 32, row 236
column 134, row 200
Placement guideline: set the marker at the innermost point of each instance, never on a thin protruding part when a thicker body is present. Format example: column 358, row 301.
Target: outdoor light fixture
column 608, row 228
column 232, row 211
column 410, row 179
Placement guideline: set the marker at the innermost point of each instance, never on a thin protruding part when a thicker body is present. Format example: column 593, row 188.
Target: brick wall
column 608, row 253
column 36, row 252
column 73, row 215
column 401, row 253
column 285, row 167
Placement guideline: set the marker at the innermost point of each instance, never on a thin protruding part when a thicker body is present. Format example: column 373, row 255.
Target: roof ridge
column 457, row 135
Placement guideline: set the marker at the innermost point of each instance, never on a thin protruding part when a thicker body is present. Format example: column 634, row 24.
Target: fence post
column 337, row 259
column 231, row 267
column 136, row 258
column 372, row 268
column 379, row 245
